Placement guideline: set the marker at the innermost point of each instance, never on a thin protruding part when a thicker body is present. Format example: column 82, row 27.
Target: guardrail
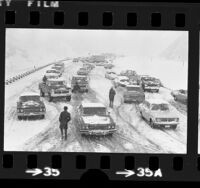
column 22, row 75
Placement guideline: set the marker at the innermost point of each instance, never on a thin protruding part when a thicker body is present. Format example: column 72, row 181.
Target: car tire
column 110, row 135
column 42, row 116
column 175, row 98
column 151, row 124
column 68, row 98
column 20, row 118
column 174, row 127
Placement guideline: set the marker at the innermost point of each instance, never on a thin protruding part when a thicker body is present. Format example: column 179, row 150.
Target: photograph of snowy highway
column 109, row 91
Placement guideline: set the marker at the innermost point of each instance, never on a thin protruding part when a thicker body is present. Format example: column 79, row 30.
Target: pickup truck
column 54, row 89
column 82, row 81
column 94, row 119
column 30, row 105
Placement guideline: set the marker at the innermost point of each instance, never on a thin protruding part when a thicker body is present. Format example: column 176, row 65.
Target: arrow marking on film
column 35, row 171
column 126, row 172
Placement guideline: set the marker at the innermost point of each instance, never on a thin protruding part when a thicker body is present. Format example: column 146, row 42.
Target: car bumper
column 23, row 114
column 165, row 124
column 61, row 95
column 97, row 132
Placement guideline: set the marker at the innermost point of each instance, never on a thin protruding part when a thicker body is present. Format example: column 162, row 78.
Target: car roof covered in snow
column 92, row 104
column 157, row 101
column 30, row 93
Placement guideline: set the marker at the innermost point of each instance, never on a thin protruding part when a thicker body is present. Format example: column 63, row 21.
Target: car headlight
column 21, row 110
column 158, row 119
column 109, row 127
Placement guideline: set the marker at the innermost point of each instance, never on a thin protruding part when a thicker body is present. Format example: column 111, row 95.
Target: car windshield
column 29, row 98
column 94, row 111
column 162, row 107
column 133, row 89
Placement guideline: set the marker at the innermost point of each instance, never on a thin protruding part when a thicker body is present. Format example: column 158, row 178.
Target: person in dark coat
column 64, row 118
column 44, row 79
column 112, row 94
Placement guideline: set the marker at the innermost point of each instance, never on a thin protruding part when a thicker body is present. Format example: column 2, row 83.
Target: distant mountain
column 177, row 50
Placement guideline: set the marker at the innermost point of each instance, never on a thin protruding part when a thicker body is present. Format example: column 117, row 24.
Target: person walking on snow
column 112, row 94
column 64, row 118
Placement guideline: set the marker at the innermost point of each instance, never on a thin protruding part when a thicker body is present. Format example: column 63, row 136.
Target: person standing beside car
column 64, row 119
column 112, row 94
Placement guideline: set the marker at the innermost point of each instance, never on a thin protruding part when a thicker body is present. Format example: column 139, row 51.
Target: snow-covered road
column 133, row 134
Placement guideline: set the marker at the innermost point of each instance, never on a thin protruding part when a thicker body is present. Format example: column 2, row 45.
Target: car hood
column 96, row 119
column 164, row 114
column 31, row 104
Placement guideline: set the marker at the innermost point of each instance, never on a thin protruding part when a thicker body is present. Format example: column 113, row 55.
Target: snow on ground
column 168, row 141
column 26, row 129
column 133, row 133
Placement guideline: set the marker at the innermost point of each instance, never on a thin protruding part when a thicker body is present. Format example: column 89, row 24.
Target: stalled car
column 94, row 119
column 30, row 105
column 82, row 82
column 133, row 93
column 150, row 84
column 55, row 89
column 158, row 113
column 121, row 81
column 180, row 95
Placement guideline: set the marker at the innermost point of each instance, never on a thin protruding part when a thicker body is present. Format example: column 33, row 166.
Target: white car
column 121, row 81
column 158, row 113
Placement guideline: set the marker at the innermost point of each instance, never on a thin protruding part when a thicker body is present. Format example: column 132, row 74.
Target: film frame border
column 119, row 10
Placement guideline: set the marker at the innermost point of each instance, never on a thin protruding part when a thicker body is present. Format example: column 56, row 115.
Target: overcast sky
column 81, row 42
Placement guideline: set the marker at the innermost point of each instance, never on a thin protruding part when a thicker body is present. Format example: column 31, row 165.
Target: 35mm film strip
column 99, row 89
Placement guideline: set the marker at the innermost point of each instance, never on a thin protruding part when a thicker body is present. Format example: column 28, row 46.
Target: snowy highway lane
column 133, row 135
